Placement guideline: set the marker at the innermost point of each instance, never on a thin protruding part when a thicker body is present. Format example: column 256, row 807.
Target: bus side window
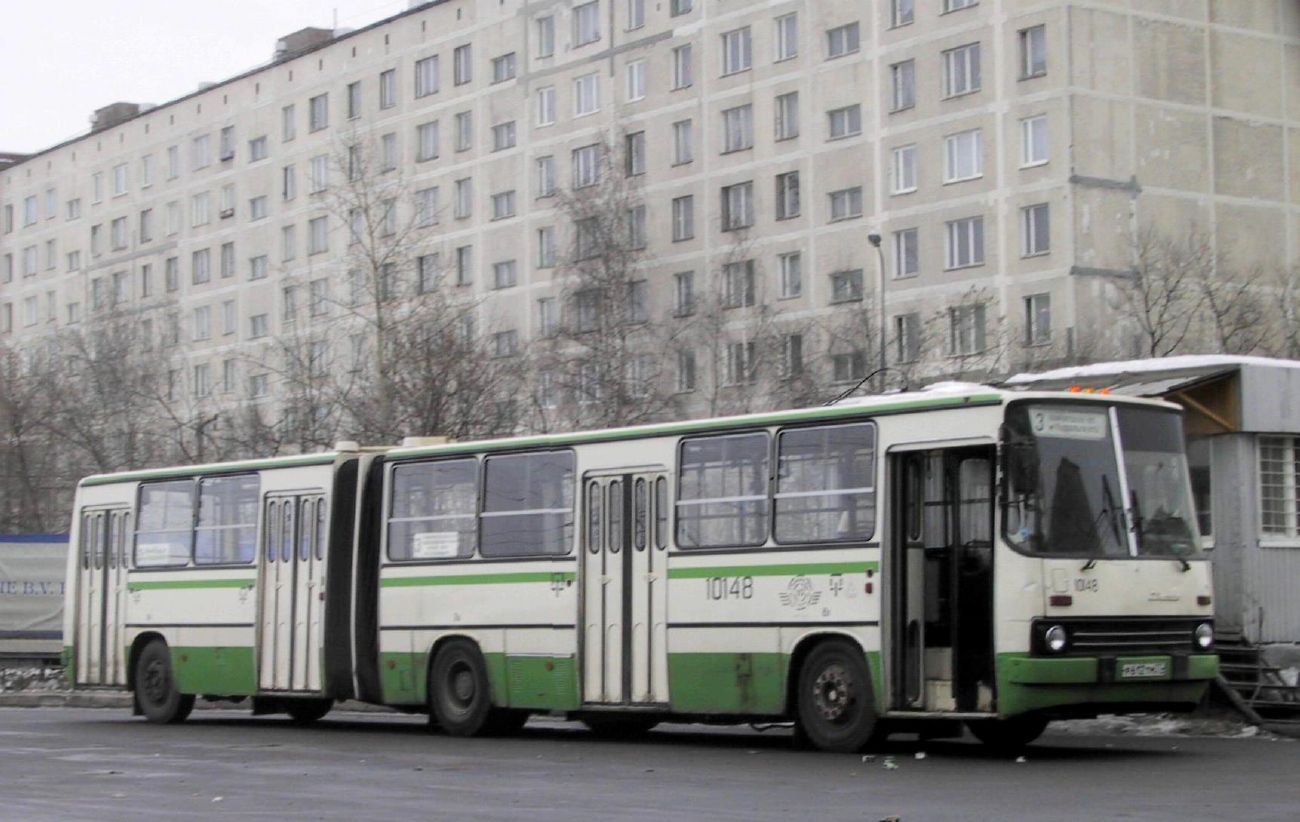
column 615, row 516
column 594, row 532
column 661, row 513
column 639, row 521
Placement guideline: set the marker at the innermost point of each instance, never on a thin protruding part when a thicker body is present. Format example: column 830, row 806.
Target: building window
column 961, row 70
column 682, row 67
column 846, row 203
column 787, row 195
column 318, row 173
column 428, row 269
column 683, row 143
column 739, row 284
column 318, row 233
column 638, row 304
column 1033, row 141
column 966, row 326
column 463, row 198
column 902, row 85
column 845, row 122
column 503, row 136
column 586, row 24
column 227, row 260
column 963, row 156
column 677, row 8
column 318, row 112
column 465, row 265
column 546, row 106
column 464, row 130
column 288, row 243
column 785, row 38
column 901, row 13
column 462, row 65
column 288, row 125
column 289, row 182
column 117, row 234
column 635, row 14
column 1038, row 319
column 1035, row 230
column 785, row 112
column 846, row 286
column 634, row 154
column 426, row 76
column 636, row 88
column 387, row 152
column 200, row 156
column 257, row 267
column 683, row 293
column 636, row 227
column 1033, row 52
column 545, row 36
column 354, row 100
column 503, row 205
column 586, row 94
column 685, row 370
column 1279, row 464
column 546, row 176
column 964, row 244
column 546, row 246
column 848, row 366
column 426, row 207
column 954, row 5
column 426, row 141
column 903, row 170
column 200, row 266
column 907, row 334
column 119, row 185
column 586, row 166
column 737, row 128
column 907, row 261
column 586, row 238
column 736, row 53
column 226, row 150
column 588, row 309
column 503, row 68
column 505, row 343
column 504, row 274
column 742, row 364
column 790, row 266
column 841, row 40
column 737, row 206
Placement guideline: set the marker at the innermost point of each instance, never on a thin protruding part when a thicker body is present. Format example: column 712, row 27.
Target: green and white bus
column 913, row 562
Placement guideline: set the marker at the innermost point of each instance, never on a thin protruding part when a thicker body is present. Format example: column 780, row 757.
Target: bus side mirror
column 1022, row 468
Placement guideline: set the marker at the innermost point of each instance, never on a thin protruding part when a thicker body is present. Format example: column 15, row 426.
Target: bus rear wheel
column 1008, row 734
column 155, row 686
column 460, row 694
column 836, row 705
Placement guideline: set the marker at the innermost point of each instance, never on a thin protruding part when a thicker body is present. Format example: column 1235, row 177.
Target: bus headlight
column 1203, row 636
column 1056, row 639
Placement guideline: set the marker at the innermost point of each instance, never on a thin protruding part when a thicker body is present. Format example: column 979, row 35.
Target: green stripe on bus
column 480, row 579
column 175, row 584
column 806, row 569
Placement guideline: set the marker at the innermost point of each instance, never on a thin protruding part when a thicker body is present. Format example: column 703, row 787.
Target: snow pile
column 1198, row 724
column 15, row 680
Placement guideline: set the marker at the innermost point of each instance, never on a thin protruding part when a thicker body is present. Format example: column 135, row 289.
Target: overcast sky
column 62, row 59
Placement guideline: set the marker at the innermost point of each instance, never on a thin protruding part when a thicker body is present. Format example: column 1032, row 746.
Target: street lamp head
column 874, row 239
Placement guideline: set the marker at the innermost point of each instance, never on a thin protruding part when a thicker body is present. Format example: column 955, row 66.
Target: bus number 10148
column 720, row 588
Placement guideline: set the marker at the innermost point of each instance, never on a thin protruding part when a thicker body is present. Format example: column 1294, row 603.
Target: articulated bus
column 916, row 562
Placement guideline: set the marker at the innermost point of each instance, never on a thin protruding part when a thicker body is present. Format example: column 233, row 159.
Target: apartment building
column 971, row 172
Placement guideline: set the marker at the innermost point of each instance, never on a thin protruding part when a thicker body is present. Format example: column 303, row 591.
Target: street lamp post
column 874, row 239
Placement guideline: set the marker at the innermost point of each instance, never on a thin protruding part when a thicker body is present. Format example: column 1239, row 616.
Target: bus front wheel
column 155, row 686
column 836, row 707
column 459, row 691
column 306, row 711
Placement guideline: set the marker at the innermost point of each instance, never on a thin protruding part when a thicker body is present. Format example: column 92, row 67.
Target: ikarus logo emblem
column 800, row 593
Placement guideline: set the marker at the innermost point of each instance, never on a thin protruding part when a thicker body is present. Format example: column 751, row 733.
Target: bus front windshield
column 1068, row 492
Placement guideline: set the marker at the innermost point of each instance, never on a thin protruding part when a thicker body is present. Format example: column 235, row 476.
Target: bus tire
column 1008, row 734
column 460, row 694
column 836, row 704
column 307, row 711
column 155, row 686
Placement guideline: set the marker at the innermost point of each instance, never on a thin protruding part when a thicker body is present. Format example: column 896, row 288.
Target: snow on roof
column 1150, row 366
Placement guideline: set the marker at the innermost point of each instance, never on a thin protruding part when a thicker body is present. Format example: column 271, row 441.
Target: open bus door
column 941, row 563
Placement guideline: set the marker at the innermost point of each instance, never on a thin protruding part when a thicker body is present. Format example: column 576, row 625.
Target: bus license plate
column 1143, row 670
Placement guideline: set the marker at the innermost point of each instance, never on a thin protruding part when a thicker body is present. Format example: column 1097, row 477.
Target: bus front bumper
column 1087, row 686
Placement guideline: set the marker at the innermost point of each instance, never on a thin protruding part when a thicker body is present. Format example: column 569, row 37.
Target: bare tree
column 34, row 484
column 1163, row 298
column 602, row 364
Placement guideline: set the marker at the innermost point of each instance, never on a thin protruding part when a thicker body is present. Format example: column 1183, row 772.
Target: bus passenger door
column 292, row 591
column 942, row 580
column 103, row 559
column 624, row 592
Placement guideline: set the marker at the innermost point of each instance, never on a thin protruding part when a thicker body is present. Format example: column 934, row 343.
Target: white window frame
column 963, row 156
column 902, row 79
column 903, row 172
column 907, row 253
column 737, row 51
column 1033, row 51
column 1035, row 230
column 844, row 122
column 842, row 41
column 964, row 242
column 1038, row 319
column 586, row 94
column 790, row 271
column 546, row 106
column 1034, row 150
column 785, row 37
column 961, row 70
column 785, row 116
column 636, row 80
